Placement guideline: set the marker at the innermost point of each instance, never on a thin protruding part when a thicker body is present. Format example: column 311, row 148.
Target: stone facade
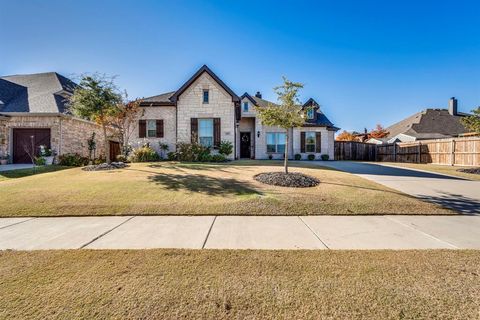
column 327, row 141
column 169, row 117
column 190, row 105
column 67, row 134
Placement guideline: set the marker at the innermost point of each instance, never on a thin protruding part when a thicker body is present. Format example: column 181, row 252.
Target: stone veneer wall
column 67, row 134
column 220, row 105
column 168, row 115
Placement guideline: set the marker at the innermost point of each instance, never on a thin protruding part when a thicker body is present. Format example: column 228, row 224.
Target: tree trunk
column 285, row 161
column 105, row 143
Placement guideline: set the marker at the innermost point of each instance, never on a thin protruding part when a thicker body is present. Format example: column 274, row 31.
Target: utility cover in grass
column 293, row 179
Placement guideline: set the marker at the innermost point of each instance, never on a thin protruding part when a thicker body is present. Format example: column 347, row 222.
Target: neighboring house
column 207, row 111
column 427, row 124
column 33, row 111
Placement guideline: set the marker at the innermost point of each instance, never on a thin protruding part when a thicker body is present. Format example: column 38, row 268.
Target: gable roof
column 158, row 100
column 429, row 124
column 35, row 93
column 197, row 74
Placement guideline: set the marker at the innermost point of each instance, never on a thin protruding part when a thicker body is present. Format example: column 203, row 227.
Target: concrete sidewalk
column 448, row 191
column 242, row 232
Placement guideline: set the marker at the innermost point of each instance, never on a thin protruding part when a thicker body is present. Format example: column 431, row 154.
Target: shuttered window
column 151, row 128
column 310, row 141
column 205, row 132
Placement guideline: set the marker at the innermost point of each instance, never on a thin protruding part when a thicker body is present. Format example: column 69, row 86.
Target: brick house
column 204, row 109
column 33, row 109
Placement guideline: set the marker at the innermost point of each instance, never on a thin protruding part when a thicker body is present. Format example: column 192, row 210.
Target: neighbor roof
column 35, row 93
column 159, row 100
column 429, row 124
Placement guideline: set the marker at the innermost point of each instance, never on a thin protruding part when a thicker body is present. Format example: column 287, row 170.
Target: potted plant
column 47, row 154
column 4, row 159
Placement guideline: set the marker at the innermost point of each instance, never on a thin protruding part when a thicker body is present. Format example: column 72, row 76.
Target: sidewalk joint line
column 421, row 231
column 14, row 224
column 314, row 233
column 106, row 232
column 208, row 233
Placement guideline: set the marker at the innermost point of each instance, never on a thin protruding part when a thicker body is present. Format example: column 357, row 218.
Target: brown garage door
column 22, row 142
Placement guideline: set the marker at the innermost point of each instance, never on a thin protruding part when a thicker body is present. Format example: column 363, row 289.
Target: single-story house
column 205, row 110
column 33, row 112
column 426, row 124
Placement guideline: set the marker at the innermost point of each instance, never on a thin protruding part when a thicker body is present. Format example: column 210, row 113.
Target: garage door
column 26, row 140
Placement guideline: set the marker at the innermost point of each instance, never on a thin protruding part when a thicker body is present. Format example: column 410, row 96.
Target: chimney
column 258, row 95
column 452, row 106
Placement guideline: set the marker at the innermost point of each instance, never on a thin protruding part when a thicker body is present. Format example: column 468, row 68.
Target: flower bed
column 294, row 179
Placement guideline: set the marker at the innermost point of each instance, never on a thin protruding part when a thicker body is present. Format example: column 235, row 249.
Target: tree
column 287, row 115
column 124, row 120
column 346, row 136
column 96, row 98
column 378, row 132
column 472, row 122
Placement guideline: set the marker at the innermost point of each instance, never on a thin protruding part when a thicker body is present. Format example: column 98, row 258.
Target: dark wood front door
column 114, row 150
column 27, row 141
column 245, row 144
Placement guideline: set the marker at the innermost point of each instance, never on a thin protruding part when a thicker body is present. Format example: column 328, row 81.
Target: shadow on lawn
column 203, row 184
column 20, row 173
column 457, row 202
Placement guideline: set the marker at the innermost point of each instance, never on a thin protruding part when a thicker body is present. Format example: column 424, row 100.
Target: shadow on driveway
column 457, row 202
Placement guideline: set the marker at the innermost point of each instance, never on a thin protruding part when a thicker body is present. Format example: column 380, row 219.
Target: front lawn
column 225, row 189
column 211, row 284
column 20, row 173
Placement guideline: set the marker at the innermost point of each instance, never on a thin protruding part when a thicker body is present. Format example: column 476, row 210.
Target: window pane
column 206, row 141
column 310, row 148
column 270, row 142
column 205, row 96
column 310, row 137
column 245, row 106
column 281, row 137
column 151, row 128
column 205, row 132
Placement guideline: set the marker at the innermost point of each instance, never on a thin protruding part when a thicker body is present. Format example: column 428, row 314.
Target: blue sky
column 365, row 62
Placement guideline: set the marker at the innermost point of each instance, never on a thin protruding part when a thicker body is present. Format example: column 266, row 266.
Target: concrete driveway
column 242, row 232
column 451, row 192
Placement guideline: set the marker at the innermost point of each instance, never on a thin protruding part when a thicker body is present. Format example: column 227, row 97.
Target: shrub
column 40, row 161
column 218, row 158
column 144, row 154
column 192, row 152
column 298, row 156
column 270, row 157
column 122, row 158
column 311, row 157
column 172, row 156
column 98, row 161
column 325, row 157
column 72, row 160
column 225, row 147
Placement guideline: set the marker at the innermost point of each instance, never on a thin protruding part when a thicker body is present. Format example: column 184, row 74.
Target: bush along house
column 205, row 110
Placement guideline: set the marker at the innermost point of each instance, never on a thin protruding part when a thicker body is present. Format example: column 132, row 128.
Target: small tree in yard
column 346, row 136
column 473, row 122
column 124, row 120
column 96, row 98
column 287, row 115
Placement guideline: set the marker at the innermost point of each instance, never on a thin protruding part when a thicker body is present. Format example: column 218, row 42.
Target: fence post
column 452, row 152
column 419, row 152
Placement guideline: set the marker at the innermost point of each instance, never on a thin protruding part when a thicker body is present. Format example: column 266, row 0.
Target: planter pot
column 49, row 160
column 3, row 162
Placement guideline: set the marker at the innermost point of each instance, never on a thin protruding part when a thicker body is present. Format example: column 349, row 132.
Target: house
column 205, row 110
column 426, row 124
column 33, row 112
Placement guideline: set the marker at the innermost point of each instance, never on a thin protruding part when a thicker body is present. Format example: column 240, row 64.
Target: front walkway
column 448, row 191
column 242, row 232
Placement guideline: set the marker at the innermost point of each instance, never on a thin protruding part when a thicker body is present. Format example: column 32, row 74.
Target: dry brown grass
column 192, row 189
column 450, row 170
column 172, row 284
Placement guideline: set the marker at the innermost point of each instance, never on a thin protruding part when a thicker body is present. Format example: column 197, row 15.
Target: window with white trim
column 245, row 106
column 310, row 113
column 205, row 132
column 276, row 142
column 151, row 128
column 310, row 139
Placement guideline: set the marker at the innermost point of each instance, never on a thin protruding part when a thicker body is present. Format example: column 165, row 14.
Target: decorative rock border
column 470, row 170
column 293, row 180
column 105, row 166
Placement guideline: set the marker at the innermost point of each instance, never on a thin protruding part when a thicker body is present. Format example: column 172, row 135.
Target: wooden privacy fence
column 455, row 151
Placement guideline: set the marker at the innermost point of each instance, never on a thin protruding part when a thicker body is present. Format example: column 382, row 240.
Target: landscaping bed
column 292, row 179
column 219, row 284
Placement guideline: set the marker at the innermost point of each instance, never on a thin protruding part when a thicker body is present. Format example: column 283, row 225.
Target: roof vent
column 452, row 106
column 258, row 95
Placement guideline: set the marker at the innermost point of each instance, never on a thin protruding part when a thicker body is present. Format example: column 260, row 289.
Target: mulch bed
column 294, row 179
column 105, row 166
column 470, row 170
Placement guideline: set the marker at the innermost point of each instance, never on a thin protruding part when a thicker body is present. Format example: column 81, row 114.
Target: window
column 205, row 96
column 276, row 142
column 310, row 141
column 205, row 132
column 310, row 113
column 245, row 107
column 151, row 128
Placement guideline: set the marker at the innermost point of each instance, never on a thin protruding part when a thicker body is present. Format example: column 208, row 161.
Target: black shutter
column 160, row 128
column 216, row 132
column 194, row 130
column 318, row 142
column 142, row 128
column 302, row 142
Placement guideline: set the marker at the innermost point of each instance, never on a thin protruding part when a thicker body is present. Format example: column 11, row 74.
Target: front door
column 245, row 144
column 27, row 142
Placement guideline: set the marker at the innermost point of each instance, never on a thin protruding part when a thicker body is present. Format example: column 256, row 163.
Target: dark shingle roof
column 161, row 99
column 35, row 93
column 429, row 124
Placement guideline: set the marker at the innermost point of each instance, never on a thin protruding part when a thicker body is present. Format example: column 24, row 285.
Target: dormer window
column 310, row 113
column 205, row 96
column 245, row 106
